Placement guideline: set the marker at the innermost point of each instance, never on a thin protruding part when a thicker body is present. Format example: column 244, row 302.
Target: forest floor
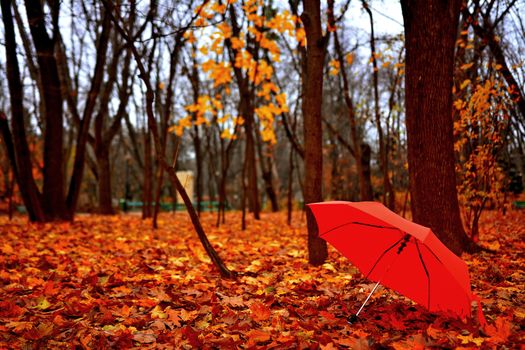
column 114, row 282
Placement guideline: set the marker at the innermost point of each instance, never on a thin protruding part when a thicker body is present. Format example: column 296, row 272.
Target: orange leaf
column 260, row 312
column 256, row 336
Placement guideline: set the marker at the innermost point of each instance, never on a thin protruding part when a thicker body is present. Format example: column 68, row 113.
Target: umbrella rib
column 426, row 271
column 358, row 223
column 383, row 254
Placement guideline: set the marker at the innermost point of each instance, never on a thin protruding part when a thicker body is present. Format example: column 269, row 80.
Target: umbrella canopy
column 404, row 256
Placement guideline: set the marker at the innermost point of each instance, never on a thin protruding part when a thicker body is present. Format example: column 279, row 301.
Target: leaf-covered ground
column 113, row 282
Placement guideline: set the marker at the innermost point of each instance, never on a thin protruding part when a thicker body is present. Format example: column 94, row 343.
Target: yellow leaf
column 42, row 303
column 349, row 58
column 335, row 67
column 466, row 339
column 464, row 84
column 466, row 66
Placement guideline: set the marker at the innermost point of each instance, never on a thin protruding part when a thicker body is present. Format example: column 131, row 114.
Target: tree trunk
column 367, row 193
column 313, row 134
column 430, row 32
column 53, row 190
column 388, row 192
column 251, row 164
column 289, row 204
column 105, row 205
column 16, row 144
column 266, row 163
column 147, row 187
column 198, row 166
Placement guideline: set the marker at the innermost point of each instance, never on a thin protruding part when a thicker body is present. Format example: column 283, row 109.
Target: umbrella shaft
column 368, row 297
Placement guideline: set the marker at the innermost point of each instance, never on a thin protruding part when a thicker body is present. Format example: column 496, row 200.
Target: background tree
column 431, row 32
column 313, row 134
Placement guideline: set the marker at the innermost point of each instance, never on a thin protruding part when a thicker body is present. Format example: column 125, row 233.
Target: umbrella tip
column 352, row 319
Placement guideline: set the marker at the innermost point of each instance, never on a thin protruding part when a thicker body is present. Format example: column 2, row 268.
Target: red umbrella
column 400, row 254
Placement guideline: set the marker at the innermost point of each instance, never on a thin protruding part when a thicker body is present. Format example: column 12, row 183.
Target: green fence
column 519, row 204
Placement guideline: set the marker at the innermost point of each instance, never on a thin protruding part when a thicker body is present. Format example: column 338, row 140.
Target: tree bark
column 105, row 205
column 16, row 143
column 388, row 192
column 431, row 31
column 367, row 192
column 53, row 191
column 313, row 134
column 147, row 187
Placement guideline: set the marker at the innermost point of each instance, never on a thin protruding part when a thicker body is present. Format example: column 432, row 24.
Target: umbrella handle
column 353, row 318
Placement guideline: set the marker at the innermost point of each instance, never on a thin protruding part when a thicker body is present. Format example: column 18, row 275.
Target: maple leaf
column 19, row 326
column 257, row 336
column 500, row 331
column 9, row 309
column 236, row 301
column 144, row 337
column 192, row 336
column 42, row 303
column 467, row 339
column 260, row 312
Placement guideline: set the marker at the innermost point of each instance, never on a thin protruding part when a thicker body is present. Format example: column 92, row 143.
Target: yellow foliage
column 267, row 89
column 201, row 22
column 281, row 101
column 220, row 72
column 300, row 36
column 464, row 84
column 225, row 30
column 226, row 134
column 218, row 8
column 259, row 71
column 282, row 22
column 479, row 131
column 178, row 128
column 271, row 46
column 335, row 66
column 257, row 34
column 466, row 66
column 189, row 36
column 243, row 59
column 237, row 43
column 217, row 45
column 350, row 58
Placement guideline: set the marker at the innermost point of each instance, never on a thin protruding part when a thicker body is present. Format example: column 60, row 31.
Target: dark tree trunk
column 104, row 183
column 147, row 187
column 198, row 163
column 289, row 204
column 16, row 144
column 431, row 31
column 266, row 163
column 367, row 193
column 251, row 164
column 53, row 198
column 313, row 134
